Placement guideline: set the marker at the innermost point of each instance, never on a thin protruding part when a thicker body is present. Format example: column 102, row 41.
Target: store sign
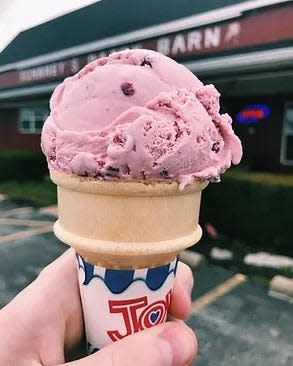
column 253, row 113
column 199, row 41
column 249, row 31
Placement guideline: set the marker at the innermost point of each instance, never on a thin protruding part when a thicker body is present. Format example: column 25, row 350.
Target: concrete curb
column 191, row 258
column 281, row 287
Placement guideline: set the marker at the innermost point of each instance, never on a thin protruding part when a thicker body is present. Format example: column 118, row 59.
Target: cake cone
column 125, row 225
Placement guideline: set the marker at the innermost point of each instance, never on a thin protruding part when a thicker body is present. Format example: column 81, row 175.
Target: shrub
column 21, row 165
column 36, row 193
column 253, row 207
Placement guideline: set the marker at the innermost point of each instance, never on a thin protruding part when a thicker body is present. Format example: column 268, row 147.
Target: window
column 31, row 120
column 287, row 137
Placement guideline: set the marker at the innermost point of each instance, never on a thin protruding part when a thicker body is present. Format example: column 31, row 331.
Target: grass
column 260, row 177
column 37, row 193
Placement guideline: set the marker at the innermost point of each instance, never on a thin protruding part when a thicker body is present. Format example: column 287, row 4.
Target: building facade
column 245, row 48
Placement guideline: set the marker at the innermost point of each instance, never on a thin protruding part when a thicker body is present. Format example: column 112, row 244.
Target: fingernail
column 181, row 344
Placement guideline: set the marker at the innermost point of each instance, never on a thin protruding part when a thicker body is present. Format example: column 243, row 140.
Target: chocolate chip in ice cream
column 146, row 63
column 142, row 175
column 164, row 173
column 125, row 169
column 117, row 140
column 127, row 89
column 216, row 147
column 215, row 179
column 112, row 169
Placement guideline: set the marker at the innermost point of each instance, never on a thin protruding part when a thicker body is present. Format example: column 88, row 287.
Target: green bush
column 36, row 193
column 253, row 207
column 21, row 165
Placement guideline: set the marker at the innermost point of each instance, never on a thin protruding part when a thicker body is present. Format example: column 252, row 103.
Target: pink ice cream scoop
column 139, row 115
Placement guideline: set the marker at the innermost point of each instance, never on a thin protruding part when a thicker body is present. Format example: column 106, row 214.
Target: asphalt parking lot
column 236, row 322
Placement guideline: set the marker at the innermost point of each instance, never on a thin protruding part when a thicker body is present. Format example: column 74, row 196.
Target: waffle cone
column 124, row 225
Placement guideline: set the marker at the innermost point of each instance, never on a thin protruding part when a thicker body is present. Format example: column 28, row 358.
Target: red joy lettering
column 128, row 309
column 155, row 313
column 152, row 314
column 158, row 310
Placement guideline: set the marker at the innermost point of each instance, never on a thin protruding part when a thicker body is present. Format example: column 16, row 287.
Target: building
column 245, row 48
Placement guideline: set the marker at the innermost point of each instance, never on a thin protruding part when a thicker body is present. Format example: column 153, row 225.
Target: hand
column 45, row 320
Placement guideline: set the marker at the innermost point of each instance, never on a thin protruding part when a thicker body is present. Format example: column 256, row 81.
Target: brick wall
column 10, row 138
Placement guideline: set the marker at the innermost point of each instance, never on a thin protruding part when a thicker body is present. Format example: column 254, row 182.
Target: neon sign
column 252, row 113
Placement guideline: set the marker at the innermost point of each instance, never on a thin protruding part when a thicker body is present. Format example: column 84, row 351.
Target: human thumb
column 168, row 344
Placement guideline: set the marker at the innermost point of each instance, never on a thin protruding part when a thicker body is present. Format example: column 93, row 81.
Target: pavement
column 236, row 321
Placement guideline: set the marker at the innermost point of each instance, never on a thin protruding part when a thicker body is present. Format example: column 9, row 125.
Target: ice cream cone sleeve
column 127, row 224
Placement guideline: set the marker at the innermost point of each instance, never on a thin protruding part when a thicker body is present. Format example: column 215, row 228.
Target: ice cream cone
column 127, row 232
column 126, row 225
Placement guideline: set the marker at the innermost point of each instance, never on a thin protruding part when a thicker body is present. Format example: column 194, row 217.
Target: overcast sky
column 17, row 15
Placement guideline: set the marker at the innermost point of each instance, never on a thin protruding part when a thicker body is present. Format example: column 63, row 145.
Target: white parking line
column 21, row 222
column 25, row 234
column 13, row 211
column 217, row 292
column 50, row 210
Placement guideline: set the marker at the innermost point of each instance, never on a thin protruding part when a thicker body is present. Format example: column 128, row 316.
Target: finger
column 61, row 282
column 51, row 318
column 168, row 344
column 181, row 300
